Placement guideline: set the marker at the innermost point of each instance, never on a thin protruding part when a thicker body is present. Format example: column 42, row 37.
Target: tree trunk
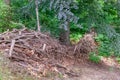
column 64, row 36
column 37, row 15
column 7, row 2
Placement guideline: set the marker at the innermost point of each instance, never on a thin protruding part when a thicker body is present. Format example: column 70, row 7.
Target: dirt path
column 91, row 72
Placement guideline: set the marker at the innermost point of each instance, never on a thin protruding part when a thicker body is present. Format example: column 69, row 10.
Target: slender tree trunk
column 64, row 36
column 37, row 15
column 7, row 2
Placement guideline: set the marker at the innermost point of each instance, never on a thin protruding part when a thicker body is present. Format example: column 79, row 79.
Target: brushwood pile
column 38, row 53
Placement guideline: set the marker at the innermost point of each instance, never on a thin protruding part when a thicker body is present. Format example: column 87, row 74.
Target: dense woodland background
column 67, row 20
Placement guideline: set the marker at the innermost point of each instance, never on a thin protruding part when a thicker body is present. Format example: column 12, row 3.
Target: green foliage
column 113, row 37
column 118, row 59
column 104, row 48
column 94, row 57
column 100, row 37
column 63, row 11
column 25, row 14
column 75, row 37
column 77, row 33
column 0, row 77
column 4, row 16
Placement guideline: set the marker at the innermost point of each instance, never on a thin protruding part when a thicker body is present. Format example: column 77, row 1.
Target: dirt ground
column 96, row 72
column 85, row 71
column 91, row 71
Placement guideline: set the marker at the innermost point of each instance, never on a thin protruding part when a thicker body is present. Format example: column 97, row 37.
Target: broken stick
column 11, row 48
column 44, row 46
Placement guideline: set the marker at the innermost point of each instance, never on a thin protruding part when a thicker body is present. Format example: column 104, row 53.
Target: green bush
column 118, row 59
column 104, row 48
column 5, row 16
column 94, row 57
column 75, row 37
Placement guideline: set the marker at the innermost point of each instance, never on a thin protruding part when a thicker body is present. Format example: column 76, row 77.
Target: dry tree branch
column 37, row 15
column 11, row 48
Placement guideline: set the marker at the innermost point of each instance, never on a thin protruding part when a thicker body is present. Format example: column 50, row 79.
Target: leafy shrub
column 94, row 57
column 104, row 48
column 24, row 12
column 75, row 37
column 4, row 16
column 118, row 59
column 76, row 33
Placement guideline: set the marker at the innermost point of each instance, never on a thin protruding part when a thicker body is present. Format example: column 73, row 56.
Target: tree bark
column 37, row 15
column 65, row 35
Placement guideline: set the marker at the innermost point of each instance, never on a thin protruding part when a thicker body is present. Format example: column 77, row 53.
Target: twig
column 44, row 46
column 75, row 49
column 4, row 41
column 11, row 48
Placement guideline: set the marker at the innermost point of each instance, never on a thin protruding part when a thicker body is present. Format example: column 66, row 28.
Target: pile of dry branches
column 38, row 53
column 33, row 50
column 86, row 45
